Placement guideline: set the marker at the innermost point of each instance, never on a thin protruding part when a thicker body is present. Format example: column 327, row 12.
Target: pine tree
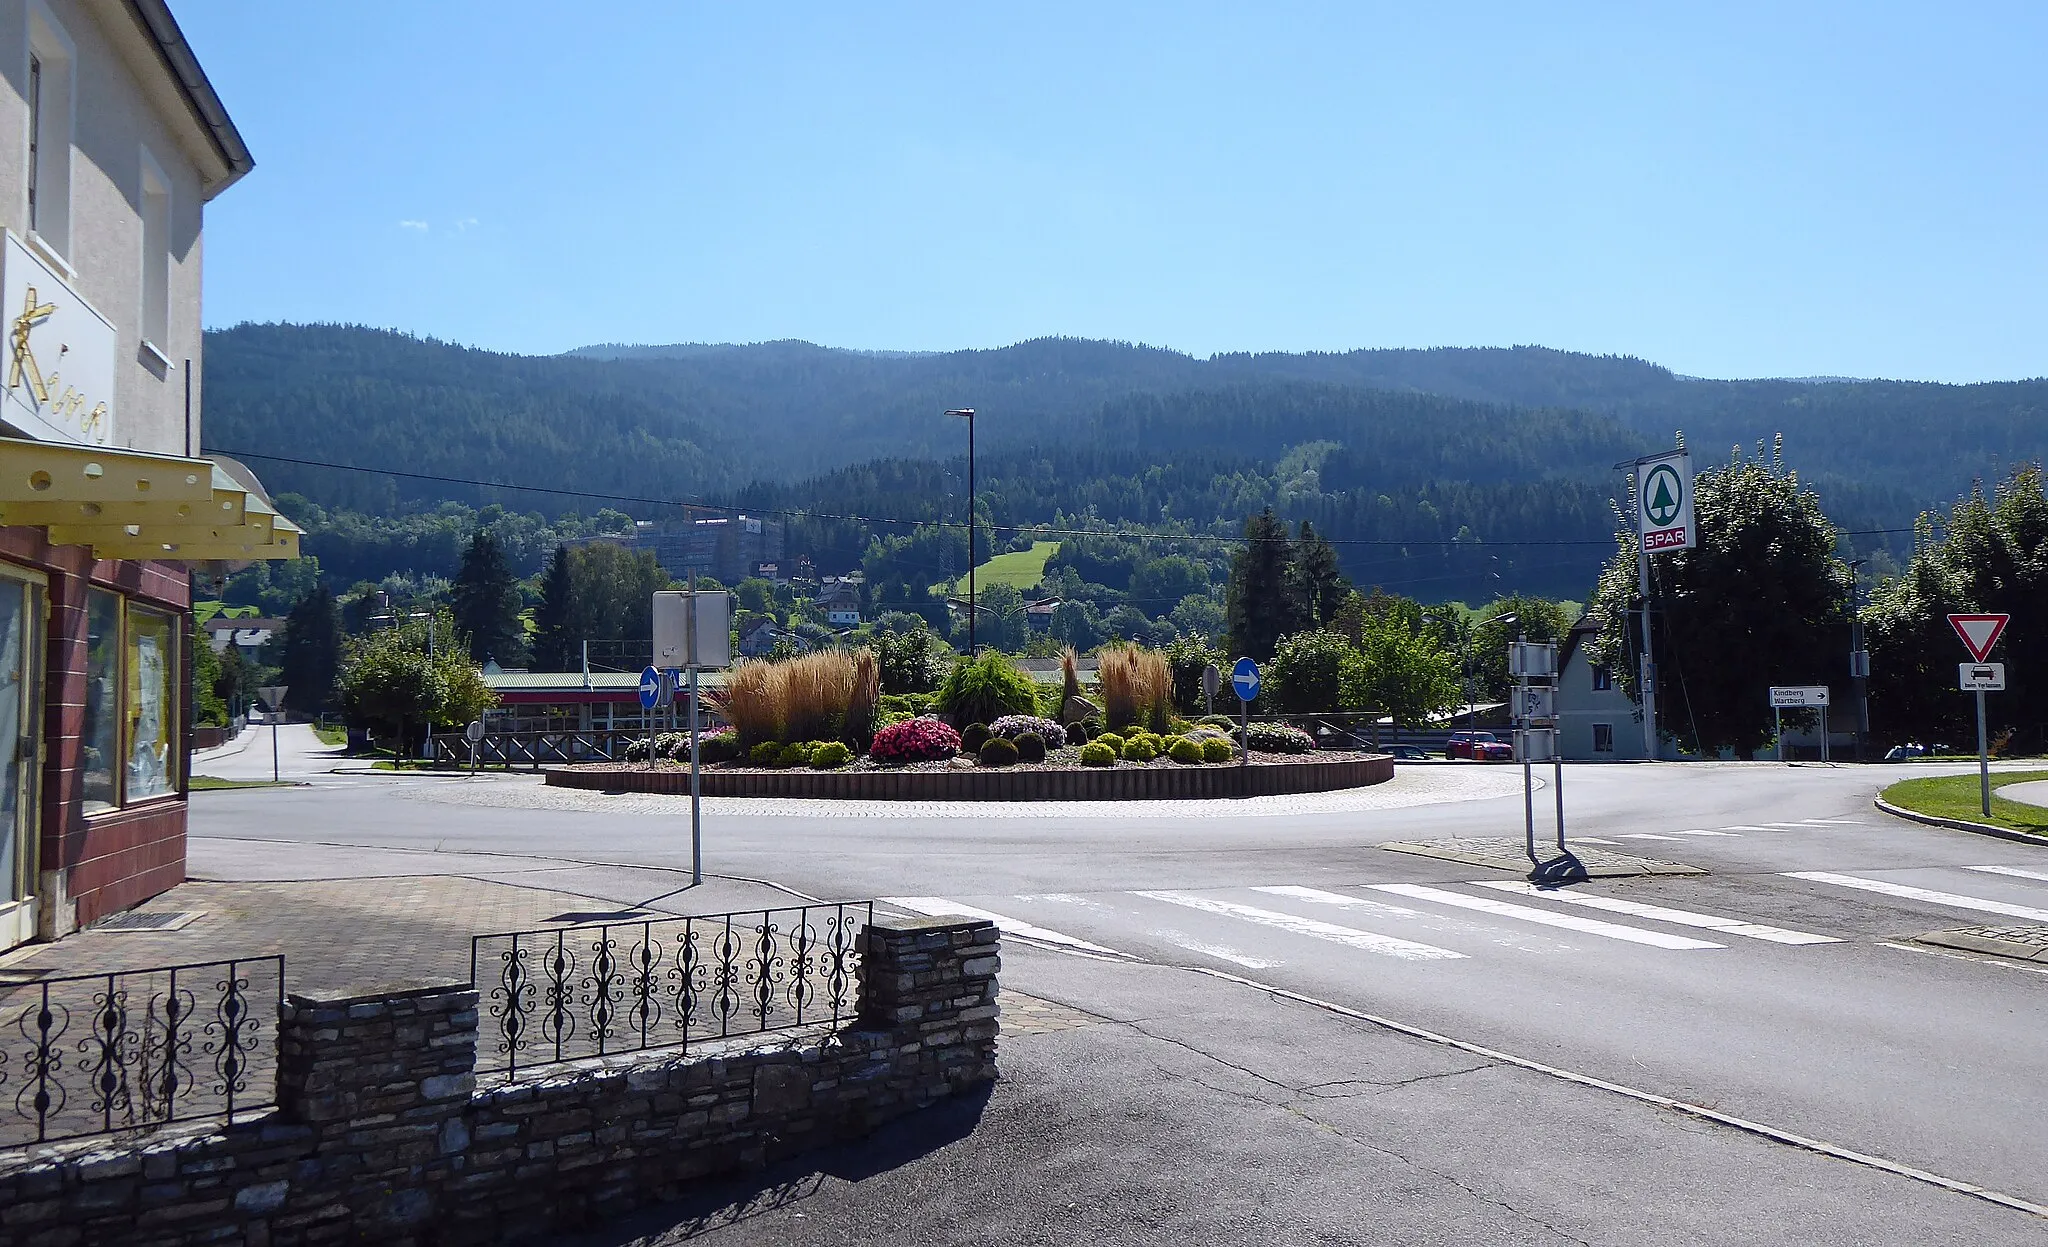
column 1320, row 577
column 312, row 651
column 558, row 633
column 486, row 601
column 1263, row 602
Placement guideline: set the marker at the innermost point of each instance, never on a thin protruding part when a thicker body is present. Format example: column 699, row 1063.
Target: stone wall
column 979, row 783
column 382, row 1133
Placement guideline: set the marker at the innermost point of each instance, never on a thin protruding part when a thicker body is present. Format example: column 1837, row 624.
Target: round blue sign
column 650, row 688
column 1244, row 678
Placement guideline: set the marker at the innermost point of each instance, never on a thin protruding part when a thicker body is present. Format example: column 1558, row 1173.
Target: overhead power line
column 806, row 513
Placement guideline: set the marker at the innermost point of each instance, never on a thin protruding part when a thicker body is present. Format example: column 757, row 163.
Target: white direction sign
column 1981, row 677
column 1979, row 632
column 1786, row 698
column 1664, row 503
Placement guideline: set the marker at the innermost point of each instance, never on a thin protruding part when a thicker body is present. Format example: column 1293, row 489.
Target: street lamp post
column 968, row 413
column 1859, row 658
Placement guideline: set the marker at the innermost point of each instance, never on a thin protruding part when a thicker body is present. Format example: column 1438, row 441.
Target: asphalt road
column 1772, row 995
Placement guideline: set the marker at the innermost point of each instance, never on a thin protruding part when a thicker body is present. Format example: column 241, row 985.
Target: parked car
column 1479, row 747
column 1408, row 753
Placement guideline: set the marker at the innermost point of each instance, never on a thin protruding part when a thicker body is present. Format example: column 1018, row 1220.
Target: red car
column 1479, row 746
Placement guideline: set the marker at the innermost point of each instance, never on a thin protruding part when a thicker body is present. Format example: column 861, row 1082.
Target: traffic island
column 1955, row 801
column 1265, row 776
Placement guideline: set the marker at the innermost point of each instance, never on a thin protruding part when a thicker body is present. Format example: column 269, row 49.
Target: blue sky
column 1733, row 190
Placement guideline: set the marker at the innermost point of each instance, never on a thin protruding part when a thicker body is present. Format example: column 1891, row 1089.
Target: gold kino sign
column 69, row 402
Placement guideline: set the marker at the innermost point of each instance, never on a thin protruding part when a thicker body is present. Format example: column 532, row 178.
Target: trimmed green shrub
column 973, row 737
column 995, row 751
column 1095, row 753
column 1223, row 721
column 1141, row 748
column 986, row 688
column 1113, row 741
column 1280, row 738
column 1077, row 733
column 794, row 755
column 1030, row 747
column 767, row 753
column 830, row 755
column 1217, row 749
column 711, row 747
column 1184, row 751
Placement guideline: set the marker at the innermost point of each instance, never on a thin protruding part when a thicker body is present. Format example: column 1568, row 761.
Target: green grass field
column 1022, row 569
column 211, row 783
column 1957, row 796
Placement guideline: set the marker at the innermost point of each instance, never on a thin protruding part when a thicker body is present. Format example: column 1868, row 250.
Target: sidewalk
column 355, row 921
column 300, row 754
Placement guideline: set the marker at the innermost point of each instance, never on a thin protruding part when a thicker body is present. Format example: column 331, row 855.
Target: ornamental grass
column 1137, row 687
column 829, row 695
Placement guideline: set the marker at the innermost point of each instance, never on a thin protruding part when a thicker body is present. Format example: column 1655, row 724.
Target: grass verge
column 1023, row 569
column 332, row 737
column 210, row 783
column 1957, row 797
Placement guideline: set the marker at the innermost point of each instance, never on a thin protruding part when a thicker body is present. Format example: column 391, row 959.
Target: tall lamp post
column 968, row 413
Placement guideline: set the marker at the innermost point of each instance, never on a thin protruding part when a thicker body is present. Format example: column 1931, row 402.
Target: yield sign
column 1979, row 632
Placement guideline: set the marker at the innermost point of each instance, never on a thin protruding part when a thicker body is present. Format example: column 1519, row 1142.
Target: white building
column 1596, row 721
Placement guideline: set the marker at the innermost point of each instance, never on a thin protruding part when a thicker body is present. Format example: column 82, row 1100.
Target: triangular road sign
column 1979, row 632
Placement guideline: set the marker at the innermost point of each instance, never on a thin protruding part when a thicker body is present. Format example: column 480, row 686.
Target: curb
column 1957, row 824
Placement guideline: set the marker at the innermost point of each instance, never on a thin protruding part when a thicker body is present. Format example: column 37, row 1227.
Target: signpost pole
column 1824, row 735
column 1983, row 758
column 273, row 735
column 1648, row 678
column 1778, row 730
column 696, row 761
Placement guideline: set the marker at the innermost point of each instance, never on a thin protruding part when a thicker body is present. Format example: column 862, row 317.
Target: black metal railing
column 532, row 749
column 586, row 991
column 91, row 1054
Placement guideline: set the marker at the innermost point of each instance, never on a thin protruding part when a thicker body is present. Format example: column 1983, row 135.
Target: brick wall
column 383, row 1135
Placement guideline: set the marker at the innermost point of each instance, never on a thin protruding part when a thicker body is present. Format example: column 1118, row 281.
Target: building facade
column 111, row 143
column 730, row 548
column 1596, row 721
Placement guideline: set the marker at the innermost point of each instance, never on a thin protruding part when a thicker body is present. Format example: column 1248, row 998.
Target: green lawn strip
column 332, row 737
column 1023, row 569
column 1957, row 797
column 210, row 783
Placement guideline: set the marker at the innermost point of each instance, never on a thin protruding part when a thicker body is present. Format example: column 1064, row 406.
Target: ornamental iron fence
column 125, row 1050
column 586, row 991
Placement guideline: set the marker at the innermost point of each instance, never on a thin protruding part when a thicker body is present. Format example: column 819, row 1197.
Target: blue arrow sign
column 650, row 688
column 1244, row 678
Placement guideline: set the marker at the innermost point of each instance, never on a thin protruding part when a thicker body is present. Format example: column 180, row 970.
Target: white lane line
column 1591, row 840
column 940, row 907
column 1571, row 922
column 1661, row 913
column 1788, row 826
column 1952, row 955
column 1702, row 831
column 1838, row 822
column 1749, row 827
column 1922, row 894
column 2014, row 871
column 1644, row 835
column 1385, row 945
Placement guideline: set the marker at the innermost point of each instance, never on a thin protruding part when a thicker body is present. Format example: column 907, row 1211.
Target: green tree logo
column 1661, row 495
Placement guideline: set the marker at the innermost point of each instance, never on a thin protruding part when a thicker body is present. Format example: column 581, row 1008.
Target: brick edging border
column 1957, row 824
column 995, row 784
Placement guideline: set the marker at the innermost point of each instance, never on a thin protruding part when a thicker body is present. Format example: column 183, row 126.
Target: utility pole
column 968, row 413
column 1859, row 658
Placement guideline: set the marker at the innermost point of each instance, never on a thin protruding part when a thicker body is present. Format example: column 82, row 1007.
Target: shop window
column 100, row 738
column 1603, row 738
column 130, row 735
column 151, row 706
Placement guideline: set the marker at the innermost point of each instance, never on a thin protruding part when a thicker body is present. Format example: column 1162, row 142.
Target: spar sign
column 1664, row 503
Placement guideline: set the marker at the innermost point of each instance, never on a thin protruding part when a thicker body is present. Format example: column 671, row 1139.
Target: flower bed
column 1061, row 777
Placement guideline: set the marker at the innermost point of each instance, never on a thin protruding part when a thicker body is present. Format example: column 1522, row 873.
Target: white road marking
column 1788, row 826
column 1221, row 952
column 1571, row 922
column 1932, row 897
column 1591, row 840
column 1644, row 835
column 1952, row 955
column 1749, row 827
column 2014, row 871
column 1385, row 945
column 1660, row 913
column 940, row 907
column 1702, row 831
column 1839, row 822
column 1526, row 941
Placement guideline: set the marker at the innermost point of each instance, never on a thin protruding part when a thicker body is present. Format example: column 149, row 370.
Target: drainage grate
column 137, row 922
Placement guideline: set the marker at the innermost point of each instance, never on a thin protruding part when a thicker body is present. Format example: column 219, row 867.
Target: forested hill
column 663, row 421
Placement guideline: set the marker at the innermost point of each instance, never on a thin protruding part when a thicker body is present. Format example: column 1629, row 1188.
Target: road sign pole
column 696, row 760
column 1824, row 735
column 1648, row 678
column 273, row 739
column 1983, row 758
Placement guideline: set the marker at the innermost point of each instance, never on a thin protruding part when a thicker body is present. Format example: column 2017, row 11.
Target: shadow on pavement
column 728, row 1202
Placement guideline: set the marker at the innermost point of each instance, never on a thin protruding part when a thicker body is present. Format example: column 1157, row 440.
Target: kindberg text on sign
column 1664, row 503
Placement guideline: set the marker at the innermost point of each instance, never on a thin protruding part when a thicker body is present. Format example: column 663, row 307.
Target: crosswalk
column 1730, row 831
column 1259, row 927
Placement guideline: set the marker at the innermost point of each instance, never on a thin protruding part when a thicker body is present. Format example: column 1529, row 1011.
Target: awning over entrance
column 126, row 504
